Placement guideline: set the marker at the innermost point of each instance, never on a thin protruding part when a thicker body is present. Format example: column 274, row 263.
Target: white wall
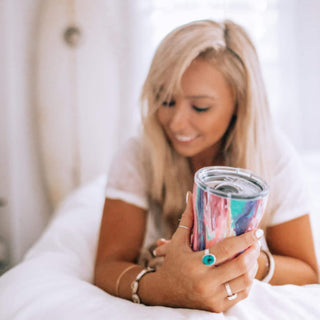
column 21, row 184
column 299, row 83
column 308, row 51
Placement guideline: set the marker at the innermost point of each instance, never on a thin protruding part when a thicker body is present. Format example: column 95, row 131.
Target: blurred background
column 70, row 78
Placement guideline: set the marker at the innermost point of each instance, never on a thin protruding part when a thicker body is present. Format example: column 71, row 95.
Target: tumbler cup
column 227, row 202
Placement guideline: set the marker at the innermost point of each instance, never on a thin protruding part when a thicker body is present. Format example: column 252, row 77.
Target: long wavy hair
column 228, row 47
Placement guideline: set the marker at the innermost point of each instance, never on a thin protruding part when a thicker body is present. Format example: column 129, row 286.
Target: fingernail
column 154, row 252
column 259, row 233
column 187, row 197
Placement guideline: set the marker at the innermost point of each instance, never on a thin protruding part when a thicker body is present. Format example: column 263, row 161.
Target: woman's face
column 196, row 120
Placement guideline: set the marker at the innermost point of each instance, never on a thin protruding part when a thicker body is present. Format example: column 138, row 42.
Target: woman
column 204, row 104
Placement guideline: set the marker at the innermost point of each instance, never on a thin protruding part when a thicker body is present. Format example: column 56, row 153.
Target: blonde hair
column 228, row 47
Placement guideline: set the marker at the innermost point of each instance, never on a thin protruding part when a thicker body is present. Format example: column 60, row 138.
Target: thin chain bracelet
column 121, row 275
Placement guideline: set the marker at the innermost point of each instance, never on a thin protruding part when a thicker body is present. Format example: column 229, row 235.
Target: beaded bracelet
column 135, row 284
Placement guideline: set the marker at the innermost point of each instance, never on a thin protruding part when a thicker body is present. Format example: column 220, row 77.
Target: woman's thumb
column 186, row 222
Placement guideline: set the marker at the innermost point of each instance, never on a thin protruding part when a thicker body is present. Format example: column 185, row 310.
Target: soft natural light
column 258, row 17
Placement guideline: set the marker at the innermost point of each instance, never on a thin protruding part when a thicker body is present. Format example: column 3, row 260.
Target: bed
column 55, row 279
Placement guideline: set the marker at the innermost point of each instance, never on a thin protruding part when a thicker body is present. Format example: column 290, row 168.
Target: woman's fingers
column 241, row 283
column 183, row 232
column 187, row 216
column 230, row 247
column 161, row 250
column 231, row 291
column 161, row 241
column 239, row 288
column 243, row 264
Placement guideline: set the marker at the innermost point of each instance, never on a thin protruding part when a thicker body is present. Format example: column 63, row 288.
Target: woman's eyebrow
column 201, row 97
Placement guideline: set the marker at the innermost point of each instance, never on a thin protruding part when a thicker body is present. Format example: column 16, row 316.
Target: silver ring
column 184, row 227
column 228, row 289
column 230, row 295
column 234, row 296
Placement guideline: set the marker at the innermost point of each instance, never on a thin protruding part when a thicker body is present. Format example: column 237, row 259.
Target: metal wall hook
column 72, row 36
column 3, row 202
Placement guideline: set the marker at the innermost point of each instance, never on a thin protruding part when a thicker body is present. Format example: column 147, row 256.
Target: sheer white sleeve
column 290, row 198
column 126, row 178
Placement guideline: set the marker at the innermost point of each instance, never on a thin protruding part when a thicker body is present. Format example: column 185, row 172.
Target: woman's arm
column 183, row 280
column 292, row 247
column 121, row 236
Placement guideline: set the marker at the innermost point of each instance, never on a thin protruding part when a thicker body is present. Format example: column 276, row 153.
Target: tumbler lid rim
column 218, row 171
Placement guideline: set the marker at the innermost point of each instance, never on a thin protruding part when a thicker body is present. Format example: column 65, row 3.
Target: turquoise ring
column 208, row 259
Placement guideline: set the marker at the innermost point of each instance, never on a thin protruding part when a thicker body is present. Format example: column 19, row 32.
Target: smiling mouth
column 182, row 138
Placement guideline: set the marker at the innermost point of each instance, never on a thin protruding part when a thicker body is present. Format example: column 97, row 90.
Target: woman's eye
column 169, row 103
column 198, row 109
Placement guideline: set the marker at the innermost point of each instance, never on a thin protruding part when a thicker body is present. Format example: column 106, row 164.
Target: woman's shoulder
column 133, row 143
column 282, row 150
column 288, row 196
column 287, row 166
column 129, row 150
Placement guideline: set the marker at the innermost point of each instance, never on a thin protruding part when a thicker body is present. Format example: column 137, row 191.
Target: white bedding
column 54, row 280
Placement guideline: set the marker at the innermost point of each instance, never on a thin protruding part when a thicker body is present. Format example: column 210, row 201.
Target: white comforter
column 54, row 280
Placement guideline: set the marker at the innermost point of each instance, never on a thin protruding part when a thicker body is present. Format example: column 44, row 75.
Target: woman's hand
column 187, row 282
column 162, row 245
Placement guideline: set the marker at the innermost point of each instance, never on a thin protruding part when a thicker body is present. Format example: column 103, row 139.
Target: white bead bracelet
column 135, row 284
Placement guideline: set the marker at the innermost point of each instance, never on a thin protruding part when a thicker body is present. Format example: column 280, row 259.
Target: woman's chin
column 184, row 151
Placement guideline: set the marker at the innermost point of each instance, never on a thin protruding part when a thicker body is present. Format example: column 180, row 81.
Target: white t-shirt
column 288, row 198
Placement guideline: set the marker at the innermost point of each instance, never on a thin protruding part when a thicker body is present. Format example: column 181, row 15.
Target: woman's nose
column 179, row 119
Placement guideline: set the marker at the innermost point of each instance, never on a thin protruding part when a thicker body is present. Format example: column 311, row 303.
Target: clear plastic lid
column 231, row 182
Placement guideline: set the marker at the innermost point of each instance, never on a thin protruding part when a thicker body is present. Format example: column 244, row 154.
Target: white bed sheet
column 54, row 280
